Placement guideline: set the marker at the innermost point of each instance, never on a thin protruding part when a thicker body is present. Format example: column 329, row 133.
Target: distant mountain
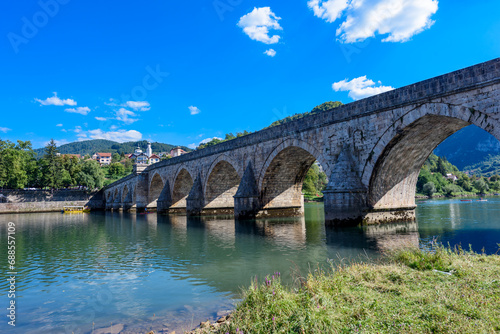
column 107, row 146
column 469, row 146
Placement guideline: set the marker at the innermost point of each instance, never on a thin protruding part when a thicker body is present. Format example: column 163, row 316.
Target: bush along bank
column 409, row 291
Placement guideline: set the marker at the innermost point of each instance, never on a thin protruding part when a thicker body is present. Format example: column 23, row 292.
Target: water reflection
column 123, row 268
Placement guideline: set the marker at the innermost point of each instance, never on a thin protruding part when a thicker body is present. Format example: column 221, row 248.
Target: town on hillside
column 137, row 157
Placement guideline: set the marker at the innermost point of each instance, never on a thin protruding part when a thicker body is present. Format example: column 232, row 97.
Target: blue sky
column 180, row 72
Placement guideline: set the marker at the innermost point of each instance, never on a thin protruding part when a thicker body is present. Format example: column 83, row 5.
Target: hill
column 469, row 146
column 108, row 146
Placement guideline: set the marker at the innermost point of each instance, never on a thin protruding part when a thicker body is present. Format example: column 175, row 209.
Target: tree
column 441, row 167
column 481, row 186
column 116, row 170
column 115, row 157
column 91, row 175
column 429, row 189
column 51, row 167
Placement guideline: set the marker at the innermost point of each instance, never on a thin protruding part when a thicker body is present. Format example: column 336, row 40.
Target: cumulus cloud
column 192, row 146
column 102, row 119
column 120, row 136
column 360, row 88
column 125, row 115
column 138, row 105
column 194, row 110
column 399, row 20
column 79, row 110
column 258, row 23
column 59, row 124
column 328, row 10
column 4, row 130
column 56, row 101
column 270, row 52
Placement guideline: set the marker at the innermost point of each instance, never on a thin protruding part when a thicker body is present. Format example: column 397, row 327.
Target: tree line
column 20, row 168
column 436, row 179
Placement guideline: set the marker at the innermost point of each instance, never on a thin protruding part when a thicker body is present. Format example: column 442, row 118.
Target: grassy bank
column 410, row 291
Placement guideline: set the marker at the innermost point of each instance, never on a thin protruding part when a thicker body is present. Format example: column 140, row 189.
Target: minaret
column 149, row 152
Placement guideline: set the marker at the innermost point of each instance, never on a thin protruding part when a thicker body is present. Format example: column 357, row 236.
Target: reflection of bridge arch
column 403, row 148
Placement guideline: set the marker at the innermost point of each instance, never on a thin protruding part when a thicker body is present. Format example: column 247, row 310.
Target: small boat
column 465, row 200
column 76, row 209
column 482, row 200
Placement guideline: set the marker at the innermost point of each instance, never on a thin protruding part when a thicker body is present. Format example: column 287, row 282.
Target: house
column 176, row 152
column 451, row 177
column 154, row 159
column 141, row 159
column 104, row 158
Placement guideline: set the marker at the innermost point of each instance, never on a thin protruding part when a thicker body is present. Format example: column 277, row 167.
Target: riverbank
column 409, row 291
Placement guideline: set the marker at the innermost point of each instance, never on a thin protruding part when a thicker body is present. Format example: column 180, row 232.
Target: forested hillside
column 107, row 146
column 469, row 146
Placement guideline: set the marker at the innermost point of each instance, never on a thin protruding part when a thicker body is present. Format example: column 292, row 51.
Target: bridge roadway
column 372, row 151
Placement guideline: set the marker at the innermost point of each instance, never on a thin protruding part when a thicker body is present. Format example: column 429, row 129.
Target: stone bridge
column 372, row 151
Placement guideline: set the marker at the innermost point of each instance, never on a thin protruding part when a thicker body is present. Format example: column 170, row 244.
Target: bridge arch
column 183, row 182
column 282, row 176
column 391, row 172
column 125, row 193
column 155, row 187
column 223, row 179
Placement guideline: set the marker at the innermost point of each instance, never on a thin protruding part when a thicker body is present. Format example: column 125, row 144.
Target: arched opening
column 395, row 174
column 182, row 185
column 125, row 194
column 221, row 186
column 116, row 196
column 155, row 188
column 284, row 177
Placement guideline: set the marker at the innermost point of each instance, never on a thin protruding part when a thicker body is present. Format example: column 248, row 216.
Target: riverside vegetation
column 406, row 291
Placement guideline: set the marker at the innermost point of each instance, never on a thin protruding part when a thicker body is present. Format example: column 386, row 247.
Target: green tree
column 91, row 175
column 115, row 157
column 52, row 166
column 481, row 186
column 429, row 189
column 116, row 170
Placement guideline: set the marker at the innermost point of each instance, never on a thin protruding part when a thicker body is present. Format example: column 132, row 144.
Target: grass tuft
column 411, row 291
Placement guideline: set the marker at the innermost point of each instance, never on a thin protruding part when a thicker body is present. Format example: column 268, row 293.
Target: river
column 95, row 272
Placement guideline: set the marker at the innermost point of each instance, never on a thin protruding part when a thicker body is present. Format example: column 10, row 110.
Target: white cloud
column 398, row 19
column 102, row 119
column 56, row 101
column 192, row 146
column 119, row 136
column 270, row 52
column 257, row 24
column 328, row 10
column 138, row 105
column 124, row 115
column 79, row 110
column 59, row 124
column 4, row 130
column 194, row 110
column 360, row 88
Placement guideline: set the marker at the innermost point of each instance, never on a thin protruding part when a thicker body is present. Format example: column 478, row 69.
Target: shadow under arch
column 155, row 187
column 182, row 186
column 392, row 175
column 221, row 185
column 282, row 177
